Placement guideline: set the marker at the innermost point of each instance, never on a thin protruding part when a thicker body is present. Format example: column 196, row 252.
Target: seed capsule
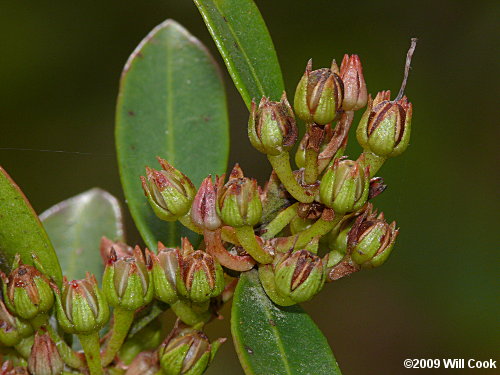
column 200, row 278
column 27, row 291
column 187, row 352
column 299, row 275
column 81, row 307
column 169, row 191
column 385, row 126
column 127, row 281
column 44, row 358
column 371, row 239
column 345, row 186
column 271, row 127
column 319, row 95
column 239, row 200
column 165, row 270
column 204, row 211
column 355, row 93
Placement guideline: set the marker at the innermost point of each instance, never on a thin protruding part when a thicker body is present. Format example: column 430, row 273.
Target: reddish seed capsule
column 355, row 92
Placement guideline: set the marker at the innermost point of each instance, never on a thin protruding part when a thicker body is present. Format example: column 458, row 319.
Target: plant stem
column 90, row 345
column 227, row 232
column 315, row 135
column 375, row 162
column 215, row 248
column 318, row 229
column 313, row 245
column 280, row 221
column 68, row 355
column 248, row 240
column 338, row 141
column 148, row 338
column 39, row 321
column 24, row 346
column 281, row 165
column 191, row 314
column 122, row 320
column 311, row 167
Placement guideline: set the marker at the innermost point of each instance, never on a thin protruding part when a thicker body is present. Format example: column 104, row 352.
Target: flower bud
column 355, row 93
column 44, row 358
column 271, row 127
column 169, row 191
column 299, row 275
column 319, row 95
column 385, row 126
column 371, row 239
column 239, row 201
column 204, row 209
column 345, row 186
column 81, row 307
column 187, row 352
column 127, row 281
column 200, row 276
column 145, row 363
column 165, row 269
column 12, row 329
column 27, row 291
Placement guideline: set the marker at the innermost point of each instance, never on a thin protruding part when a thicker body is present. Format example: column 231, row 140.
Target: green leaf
column 171, row 104
column 75, row 227
column 21, row 231
column 243, row 41
column 271, row 339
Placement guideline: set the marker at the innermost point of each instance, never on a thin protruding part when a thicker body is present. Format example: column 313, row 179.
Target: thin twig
column 409, row 56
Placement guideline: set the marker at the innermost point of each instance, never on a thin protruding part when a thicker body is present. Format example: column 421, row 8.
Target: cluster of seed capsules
column 306, row 227
column 83, row 309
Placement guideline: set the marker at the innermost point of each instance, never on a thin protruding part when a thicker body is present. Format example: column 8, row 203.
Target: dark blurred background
column 438, row 296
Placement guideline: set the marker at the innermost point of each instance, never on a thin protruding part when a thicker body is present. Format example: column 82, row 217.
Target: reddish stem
column 214, row 247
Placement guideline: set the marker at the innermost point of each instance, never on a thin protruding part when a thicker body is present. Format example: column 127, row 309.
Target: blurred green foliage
column 438, row 295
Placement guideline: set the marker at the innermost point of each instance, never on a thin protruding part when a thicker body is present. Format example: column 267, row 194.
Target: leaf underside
column 75, row 227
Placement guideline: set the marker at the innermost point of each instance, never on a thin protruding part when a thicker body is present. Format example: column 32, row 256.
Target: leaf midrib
column 171, row 226
column 245, row 56
column 279, row 341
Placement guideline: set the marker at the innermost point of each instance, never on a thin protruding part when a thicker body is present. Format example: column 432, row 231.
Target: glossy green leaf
column 21, row 231
column 171, row 104
column 75, row 227
column 271, row 339
column 243, row 41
